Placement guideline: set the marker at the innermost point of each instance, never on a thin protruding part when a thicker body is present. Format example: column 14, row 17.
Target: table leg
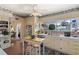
column 39, row 50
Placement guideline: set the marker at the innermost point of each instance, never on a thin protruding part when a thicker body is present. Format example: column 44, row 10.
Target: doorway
column 18, row 27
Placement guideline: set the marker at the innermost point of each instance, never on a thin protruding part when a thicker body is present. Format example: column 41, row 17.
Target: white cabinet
column 74, row 46
column 3, row 46
column 5, row 42
column 57, row 43
column 67, row 46
column 47, row 42
column 70, row 45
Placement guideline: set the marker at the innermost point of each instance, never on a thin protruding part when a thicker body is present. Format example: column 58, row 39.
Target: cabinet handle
column 60, row 48
column 0, row 46
column 6, row 41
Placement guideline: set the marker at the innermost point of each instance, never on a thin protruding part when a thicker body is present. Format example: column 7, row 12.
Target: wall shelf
column 4, row 26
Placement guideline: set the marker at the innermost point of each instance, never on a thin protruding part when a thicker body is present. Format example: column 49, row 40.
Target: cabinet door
column 64, row 45
column 52, row 41
column 69, row 43
column 75, row 46
column 58, row 43
column 47, row 41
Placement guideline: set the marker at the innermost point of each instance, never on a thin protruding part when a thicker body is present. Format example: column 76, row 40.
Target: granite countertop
column 35, row 39
column 67, row 37
column 38, row 39
column 2, row 52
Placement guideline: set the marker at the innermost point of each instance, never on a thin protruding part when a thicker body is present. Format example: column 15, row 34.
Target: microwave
column 67, row 34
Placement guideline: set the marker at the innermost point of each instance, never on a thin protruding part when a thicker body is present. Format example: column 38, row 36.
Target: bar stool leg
column 39, row 50
column 28, row 50
column 43, row 49
column 36, row 51
column 33, row 51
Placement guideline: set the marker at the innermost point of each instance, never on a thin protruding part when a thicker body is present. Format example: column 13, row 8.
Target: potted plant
column 51, row 27
column 5, row 32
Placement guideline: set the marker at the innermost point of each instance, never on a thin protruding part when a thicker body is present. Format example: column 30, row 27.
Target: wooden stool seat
column 36, row 45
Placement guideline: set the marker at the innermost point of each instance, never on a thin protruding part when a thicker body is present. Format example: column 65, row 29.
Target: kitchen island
column 68, row 45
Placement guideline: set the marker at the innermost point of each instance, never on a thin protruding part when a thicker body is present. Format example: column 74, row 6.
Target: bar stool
column 33, row 48
column 28, row 48
column 36, row 48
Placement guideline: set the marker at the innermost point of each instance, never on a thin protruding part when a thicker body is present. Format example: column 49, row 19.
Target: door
column 18, row 28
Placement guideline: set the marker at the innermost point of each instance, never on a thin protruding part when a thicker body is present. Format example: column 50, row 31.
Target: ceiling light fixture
column 35, row 11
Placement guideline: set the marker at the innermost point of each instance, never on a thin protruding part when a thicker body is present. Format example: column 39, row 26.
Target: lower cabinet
column 67, row 47
column 62, row 44
column 57, row 43
column 48, row 42
column 74, row 46
column 5, row 42
column 6, row 45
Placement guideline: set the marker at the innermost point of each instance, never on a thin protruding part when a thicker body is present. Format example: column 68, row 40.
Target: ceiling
column 44, row 9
